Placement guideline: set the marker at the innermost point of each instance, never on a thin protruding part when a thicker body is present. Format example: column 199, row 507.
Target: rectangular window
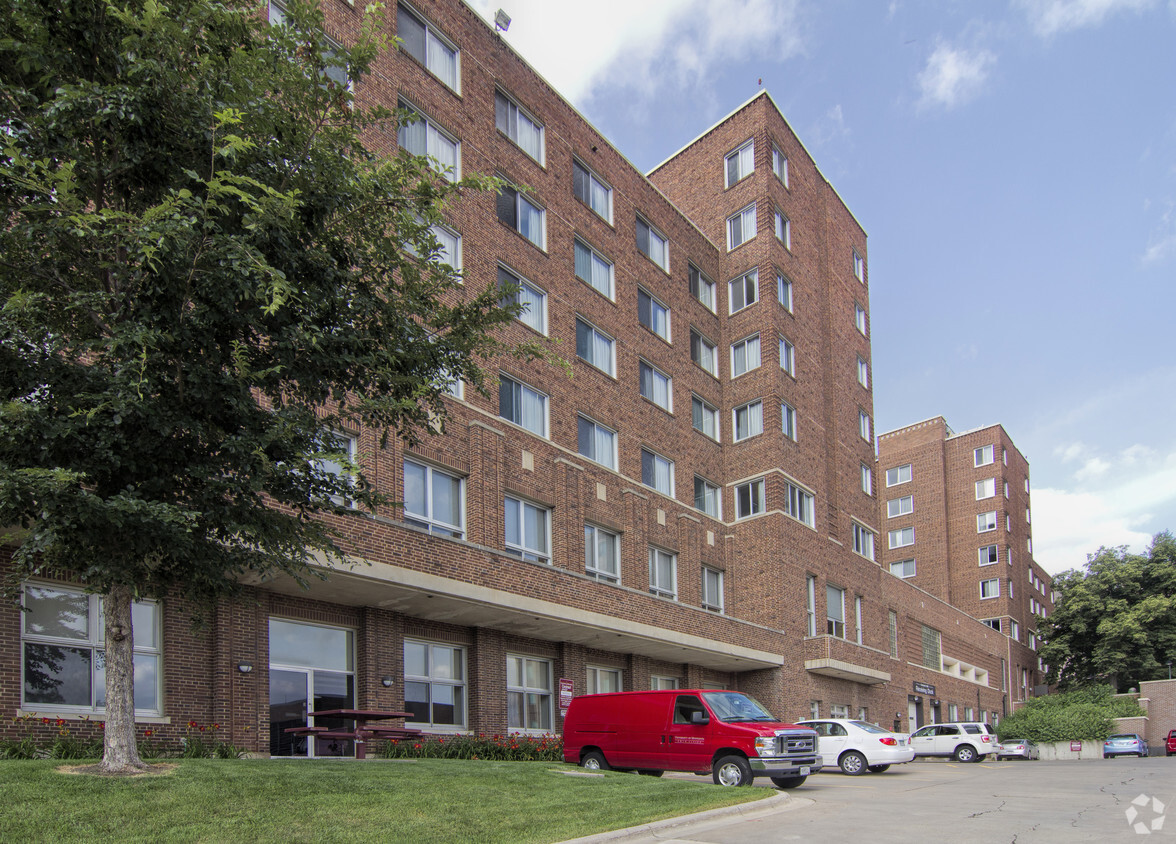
column 784, row 291
column 859, row 267
column 653, row 244
column 779, row 165
column 741, row 227
column 656, row 386
column 602, row 680
column 528, row 694
column 863, row 541
column 448, row 247
column 749, row 499
column 595, row 347
column 741, row 163
column 594, row 269
column 783, row 230
column 520, row 127
column 701, row 287
column 810, row 602
column 532, row 300
column 898, row 475
column 653, row 314
column 743, row 291
column 857, row 615
column 893, row 620
column 341, row 464
column 64, row 651
column 434, row 684
column 867, row 480
column 434, row 500
column 424, row 43
column 591, row 190
column 859, row 319
column 707, row 497
column 990, row 588
column 835, row 611
column 528, row 531
column 712, row 589
column 657, row 683
column 799, row 504
column 602, row 554
column 863, row 373
column 985, row 488
column 983, row 455
column 901, row 537
column 994, row 623
column 663, row 573
column 522, row 215
column 986, row 522
column 787, row 357
column 864, row 425
column 521, row 405
column 748, row 420
column 788, row 420
column 421, row 136
column 896, row 507
column 989, row 555
column 704, row 353
column 705, row 417
column 745, row 355
column 657, row 472
column 597, row 442
column 932, row 649
column 903, row 568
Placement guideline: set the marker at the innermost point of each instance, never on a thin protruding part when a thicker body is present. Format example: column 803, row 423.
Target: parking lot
column 1013, row 801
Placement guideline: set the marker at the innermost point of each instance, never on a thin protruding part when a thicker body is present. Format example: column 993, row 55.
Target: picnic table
column 363, row 729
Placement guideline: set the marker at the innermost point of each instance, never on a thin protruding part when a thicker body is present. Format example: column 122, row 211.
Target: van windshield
column 733, row 706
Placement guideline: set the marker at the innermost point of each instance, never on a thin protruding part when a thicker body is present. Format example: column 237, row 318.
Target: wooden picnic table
column 362, row 731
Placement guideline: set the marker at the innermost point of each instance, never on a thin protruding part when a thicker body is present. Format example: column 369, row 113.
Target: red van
column 726, row 733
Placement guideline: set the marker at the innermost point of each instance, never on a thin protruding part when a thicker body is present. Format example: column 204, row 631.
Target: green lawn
column 427, row 800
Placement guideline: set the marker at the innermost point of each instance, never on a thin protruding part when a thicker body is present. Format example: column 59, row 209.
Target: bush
column 513, row 747
column 1085, row 713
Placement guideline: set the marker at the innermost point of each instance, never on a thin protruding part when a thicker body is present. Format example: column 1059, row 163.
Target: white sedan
column 858, row 746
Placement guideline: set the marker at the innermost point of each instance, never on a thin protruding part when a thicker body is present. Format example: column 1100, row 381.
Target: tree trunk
column 120, row 753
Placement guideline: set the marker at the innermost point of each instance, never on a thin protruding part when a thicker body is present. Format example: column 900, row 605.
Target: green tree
column 1115, row 619
column 204, row 274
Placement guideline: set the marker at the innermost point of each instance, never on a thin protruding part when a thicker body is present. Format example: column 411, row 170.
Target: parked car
column 859, row 746
column 1125, row 744
column 1017, row 749
column 725, row 733
column 967, row 741
column 1170, row 744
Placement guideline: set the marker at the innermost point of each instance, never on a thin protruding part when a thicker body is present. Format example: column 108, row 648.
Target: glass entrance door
column 311, row 670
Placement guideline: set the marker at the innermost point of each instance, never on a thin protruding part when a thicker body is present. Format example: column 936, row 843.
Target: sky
column 1014, row 165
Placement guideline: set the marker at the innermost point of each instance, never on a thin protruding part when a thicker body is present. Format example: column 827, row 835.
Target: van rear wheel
column 650, row 772
column 732, row 770
column 788, row 782
column 594, row 761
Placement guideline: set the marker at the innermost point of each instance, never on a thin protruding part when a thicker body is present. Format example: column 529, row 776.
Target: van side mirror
column 698, row 717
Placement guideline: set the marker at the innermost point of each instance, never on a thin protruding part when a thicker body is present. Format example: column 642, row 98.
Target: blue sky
column 1014, row 165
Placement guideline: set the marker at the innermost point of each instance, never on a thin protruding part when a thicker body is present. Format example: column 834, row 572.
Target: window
column 741, row 227
column 749, row 499
column 657, row 472
column 433, row 500
column 663, row 573
column 857, row 614
column 341, row 464
column 893, row 620
column 602, row 554
column 787, row 357
column 423, row 43
column 743, row 291
column 810, row 602
column 863, row 541
column 740, row 163
column 712, row 589
column 779, row 165
column 867, row 480
column 990, row 588
column 422, row 136
column 705, row 417
column 901, row 537
column 528, row 531
column 657, row 682
column 783, row 229
column 859, row 267
column 707, row 497
column 704, row 353
column 601, row 680
column 701, row 287
column 656, row 386
column 594, row 268
column 519, row 126
column 986, row 522
column 748, row 420
column 448, row 247
column 983, row 455
column 653, row 245
column 521, row 405
column 745, row 355
column 799, row 504
column 334, row 74
column 595, row 348
column 994, row 623
column 864, row 425
column 784, row 291
column 989, row 555
column 532, row 300
column 522, row 215
column 788, row 420
column 898, row 475
column 835, row 611
column 596, row 442
column 900, row 506
column 953, row 712
column 903, row 568
column 653, row 315
column 863, row 373
column 985, row 488
column 63, row 649
column 859, row 319
column 932, row 652
column 434, row 684
column 528, row 694
column 590, row 190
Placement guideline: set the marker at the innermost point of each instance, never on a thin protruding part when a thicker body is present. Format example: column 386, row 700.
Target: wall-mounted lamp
column 935, row 702
column 501, row 21
column 918, row 700
column 245, row 666
column 386, row 682
column 898, row 715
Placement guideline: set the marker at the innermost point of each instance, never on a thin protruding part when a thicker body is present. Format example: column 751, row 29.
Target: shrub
column 512, row 747
column 1085, row 713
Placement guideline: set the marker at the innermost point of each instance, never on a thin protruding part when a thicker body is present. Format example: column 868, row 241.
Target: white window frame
column 659, row 315
column 741, row 227
column 700, row 350
column 657, row 461
column 863, row 373
column 788, row 421
column 522, row 120
column 753, row 414
column 345, row 442
column 707, row 411
column 800, row 504
column 658, row 557
column 533, row 318
column 748, row 285
column 867, row 480
column 835, row 626
column 434, row 136
column 659, row 682
column 902, row 506
column 543, row 696
column 787, row 356
column 896, row 472
column 712, row 589
column 520, row 203
column 520, row 549
column 863, row 541
column 429, row 679
column 749, row 352
column 595, row 186
column 524, row 390
column 989, row 588
column 447, row 255
column 654, row 235
column 983, row 456
column 864, row 425
column 741, row 160
column 600, row 433
column 663, row 397
column 859, row 267
column 784, row 291
column 985, row 488
column 780, row 165
column 427, row 520
column 751, row 493
column 900, row 537
column 810, row 595
column 606, row 285
column 596, row 340
column 989, row 522
column 596, row 546
column 702, row 288
column 597, row 673
column 859, row 319
column 783, row 229
column 435, row 45
column 903, row 568
column 710, row 493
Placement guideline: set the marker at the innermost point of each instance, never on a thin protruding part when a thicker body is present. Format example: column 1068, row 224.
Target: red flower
column 44, row 720
column 216, row 726
column 61, row 722
column 416, row 746
column 102, row 725
column 202, row 729
column 149, row 733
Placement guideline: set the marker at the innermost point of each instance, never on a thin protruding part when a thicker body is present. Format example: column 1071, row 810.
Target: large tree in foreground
column 203, row 274
column 1115, row 619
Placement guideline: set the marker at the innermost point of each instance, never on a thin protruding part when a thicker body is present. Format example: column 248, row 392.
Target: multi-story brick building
column 956, row 515
column 687, row 509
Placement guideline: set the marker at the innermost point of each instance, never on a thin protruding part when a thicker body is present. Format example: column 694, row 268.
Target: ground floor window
column 312, row 669
column 602, row 680
column 661, row 682
column 839, row 710
column 528, row 693
column 434, row 684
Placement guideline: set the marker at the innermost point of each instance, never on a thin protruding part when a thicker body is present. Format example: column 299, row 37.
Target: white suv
column 966, row 741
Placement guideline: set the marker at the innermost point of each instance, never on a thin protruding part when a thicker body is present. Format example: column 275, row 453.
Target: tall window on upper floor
column 712, row 589
column 596, row 442
column 783, row 227
column 602, row 554
column 867, row 479
column 787, row 357
column 663, row 573
column 748, row 420
column 810, row 603
column 863, row 373
column 788, row 419
column 707, row 497
column 740, row 163
column 596, row 347
column 864, row 427
column 653, row 244
column 743, row 291
column 532, row 300
column 745, row 355
column 859, row 267
column 863, row 541
column 657, row 472
column 425, row 44
column 784, row 291
column 656, row 386
column 514, row 122
column 701, row 287
column 835, row 611
column 592, row 190
column 705, row 417
column 798, row 504
column 704, row 353
column 594, row 269
column 741, row 227
column 434, row 500
column 341, row 463
column 749, row 499
column 421, row 136
column 334, row 74
column 523, row 215
column 779, row 165
column 528, row 530
column 522, row 405
column 653, row 314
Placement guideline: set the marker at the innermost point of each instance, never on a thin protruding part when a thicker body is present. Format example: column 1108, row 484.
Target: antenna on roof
column 501, row 21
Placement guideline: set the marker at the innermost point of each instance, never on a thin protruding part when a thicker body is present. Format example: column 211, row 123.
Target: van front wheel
column 788, row 782
column 732, row 770
column 594, row 761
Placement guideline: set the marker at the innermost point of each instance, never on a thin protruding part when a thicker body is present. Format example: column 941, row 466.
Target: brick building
column 688, row 509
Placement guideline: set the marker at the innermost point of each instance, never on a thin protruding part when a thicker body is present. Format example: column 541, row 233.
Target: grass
column 422, row 801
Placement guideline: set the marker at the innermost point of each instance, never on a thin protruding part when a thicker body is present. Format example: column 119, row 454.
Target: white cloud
column 1162, row 244
column 830, row 127
column 1049, row 17
column 1093, row 468
column 953, row 76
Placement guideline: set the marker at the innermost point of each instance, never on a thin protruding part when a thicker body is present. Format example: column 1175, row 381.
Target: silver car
column 1017, row 749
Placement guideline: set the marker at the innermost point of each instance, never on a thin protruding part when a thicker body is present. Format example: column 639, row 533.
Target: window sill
column 86, row 716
